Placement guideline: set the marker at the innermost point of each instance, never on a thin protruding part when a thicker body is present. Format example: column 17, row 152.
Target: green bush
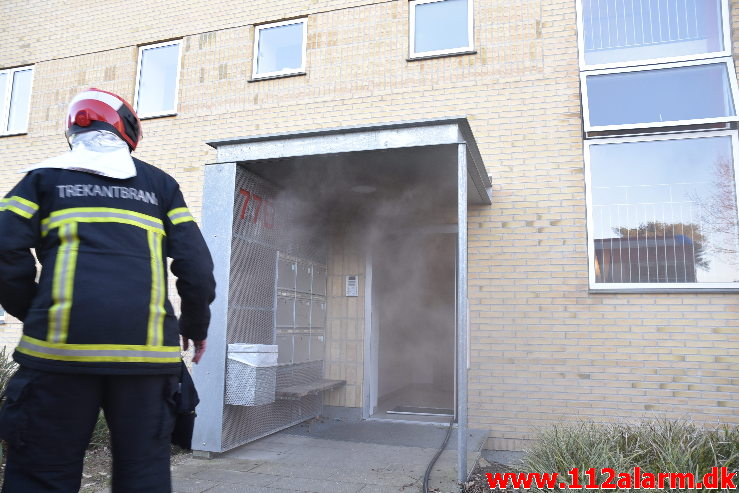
column 654, row 446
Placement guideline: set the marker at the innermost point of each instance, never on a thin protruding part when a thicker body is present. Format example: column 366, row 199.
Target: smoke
column 397, row 208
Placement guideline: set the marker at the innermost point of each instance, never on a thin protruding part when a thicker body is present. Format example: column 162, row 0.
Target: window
column 440, row 27
column 660, row 95
column 15, row 100
column 622, row 32
column 2, row 315
column 663, row 209
column 662, row 206
column 279, row 49
column 158, row 80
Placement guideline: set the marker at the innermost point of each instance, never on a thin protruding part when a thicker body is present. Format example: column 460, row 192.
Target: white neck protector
column 98, row 152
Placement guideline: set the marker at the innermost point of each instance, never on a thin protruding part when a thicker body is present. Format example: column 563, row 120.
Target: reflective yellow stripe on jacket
column 99, row 352
column 63, row 283
column 155, row 332
column 66, row 221
column 101, row 215
column 19, row 205
column 180, row 215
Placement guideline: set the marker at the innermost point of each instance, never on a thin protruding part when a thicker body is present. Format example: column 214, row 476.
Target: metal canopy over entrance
column 272, row 288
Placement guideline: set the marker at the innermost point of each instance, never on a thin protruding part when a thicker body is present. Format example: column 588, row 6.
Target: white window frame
column 5, row 116
column 726, row 32
column 280, row 73
column 142, row 49
column 644, row 286
column 416, row 55
column 597, row 128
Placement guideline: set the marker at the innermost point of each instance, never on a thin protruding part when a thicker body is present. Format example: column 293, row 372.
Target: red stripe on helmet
column 94, row 105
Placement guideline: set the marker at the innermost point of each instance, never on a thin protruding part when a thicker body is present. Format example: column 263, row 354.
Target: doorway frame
column 473, row 187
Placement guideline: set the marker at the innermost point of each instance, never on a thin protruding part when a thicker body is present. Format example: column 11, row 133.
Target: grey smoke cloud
column 407, row 227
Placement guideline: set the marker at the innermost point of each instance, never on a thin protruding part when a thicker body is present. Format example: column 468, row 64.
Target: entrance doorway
column 331, row 199
column 413, row 310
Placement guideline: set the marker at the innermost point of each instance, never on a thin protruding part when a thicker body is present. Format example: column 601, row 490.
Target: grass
column 654, row 446
column 100, row 434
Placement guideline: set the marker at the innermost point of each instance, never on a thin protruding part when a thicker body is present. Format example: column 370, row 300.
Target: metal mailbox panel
column 301, row 348
column 286, row 270
column 319, row 280
column 304, row 277
column 318, row 313
column 285, row 312
column 316, row 348
column 302, row 312
column 284, row 349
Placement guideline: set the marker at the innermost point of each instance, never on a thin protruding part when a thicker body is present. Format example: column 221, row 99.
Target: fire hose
column 436, row 457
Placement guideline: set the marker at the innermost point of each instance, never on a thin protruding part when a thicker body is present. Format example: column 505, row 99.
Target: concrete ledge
column 342, row 413
column 297, row 392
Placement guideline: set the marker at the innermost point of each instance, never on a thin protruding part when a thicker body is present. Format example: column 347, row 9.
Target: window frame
column 280, row 73
column 6, row 98
column 731, row 71
column 645, row 286
column 465, row 50
column 141, row 50
column 725, row 31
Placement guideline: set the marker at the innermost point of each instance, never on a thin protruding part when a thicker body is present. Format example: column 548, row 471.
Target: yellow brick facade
column 543, row 348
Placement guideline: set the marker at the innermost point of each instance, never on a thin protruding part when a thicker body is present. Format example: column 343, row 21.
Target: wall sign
column 352, row 286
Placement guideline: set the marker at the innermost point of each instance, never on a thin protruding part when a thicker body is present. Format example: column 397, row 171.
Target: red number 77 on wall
column 269, row 215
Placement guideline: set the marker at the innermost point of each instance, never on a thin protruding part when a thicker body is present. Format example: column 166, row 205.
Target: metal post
column 369, row 372
column 210, row 374
column 462, row 312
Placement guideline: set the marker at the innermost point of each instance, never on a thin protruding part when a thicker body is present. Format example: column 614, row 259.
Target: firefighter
column 98, row 329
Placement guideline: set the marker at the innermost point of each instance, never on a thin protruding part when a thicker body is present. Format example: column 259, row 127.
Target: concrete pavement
column 331, row 457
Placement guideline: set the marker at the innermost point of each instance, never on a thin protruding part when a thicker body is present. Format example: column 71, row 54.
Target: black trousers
column 48, row 419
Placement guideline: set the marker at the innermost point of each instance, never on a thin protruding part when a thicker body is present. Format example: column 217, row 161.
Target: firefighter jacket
column 101, row 304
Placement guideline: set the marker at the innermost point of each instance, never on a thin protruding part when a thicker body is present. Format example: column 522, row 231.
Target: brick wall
column 344, row 357
column 543, row 348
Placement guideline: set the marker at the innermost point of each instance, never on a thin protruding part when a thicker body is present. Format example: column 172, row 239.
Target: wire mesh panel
column 255, row 211
column 245, row 424
column 249, row 385
column 251, row 325
column 264, row 225
column 252, row 274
